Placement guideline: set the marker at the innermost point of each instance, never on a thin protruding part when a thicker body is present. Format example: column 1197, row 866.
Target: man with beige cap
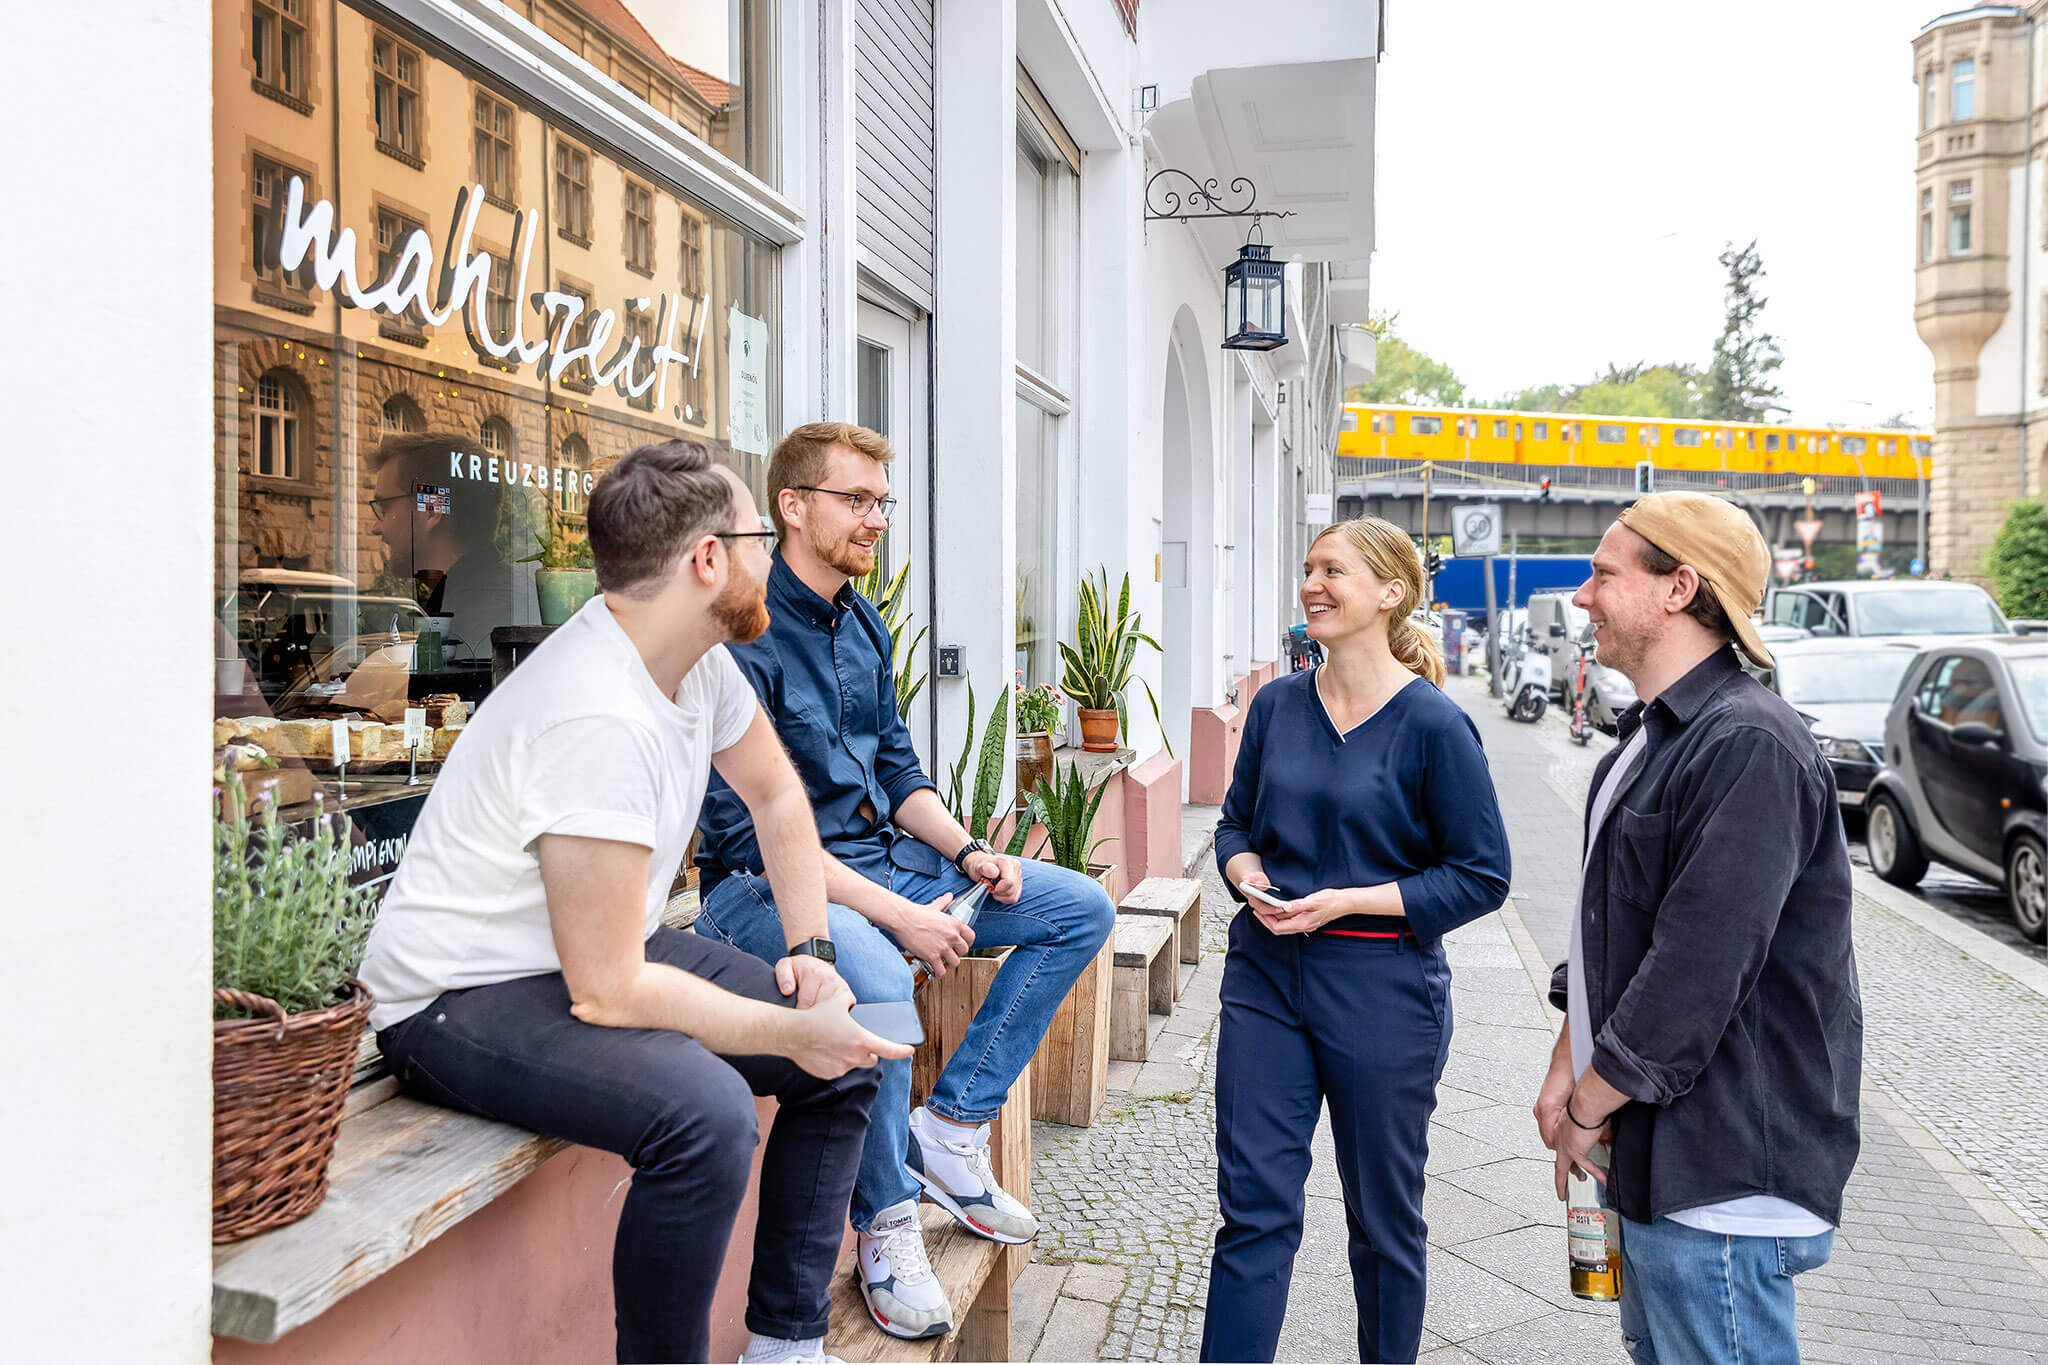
column 1714, row 1031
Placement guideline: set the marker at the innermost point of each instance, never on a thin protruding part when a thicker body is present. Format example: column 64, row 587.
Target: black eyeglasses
column 861, row 503
column 767, row 538
column 377, row 504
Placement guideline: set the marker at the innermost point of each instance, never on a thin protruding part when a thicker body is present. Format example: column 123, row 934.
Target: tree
column 2018, row 563
column 1643, row 390
column 1638, row 390
column 1738, row 386
column 1402, row 374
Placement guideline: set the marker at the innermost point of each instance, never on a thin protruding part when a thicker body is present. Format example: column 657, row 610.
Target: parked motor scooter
column 1525, row 683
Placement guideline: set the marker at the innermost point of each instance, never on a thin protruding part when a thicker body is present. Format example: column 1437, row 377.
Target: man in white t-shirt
column 1714, row 1029
column 520, row 965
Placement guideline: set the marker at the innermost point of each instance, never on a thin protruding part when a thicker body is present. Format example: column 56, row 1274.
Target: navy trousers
column 1364, row 1023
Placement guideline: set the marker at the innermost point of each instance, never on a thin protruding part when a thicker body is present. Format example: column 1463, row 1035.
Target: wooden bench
column 1144, row 985
column 969, row 1270
column 1178, row 899
column 1070, row 1070
column 404, row 1173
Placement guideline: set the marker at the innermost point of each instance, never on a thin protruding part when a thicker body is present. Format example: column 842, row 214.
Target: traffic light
column 1433, row 563
column 1543, row 495
column 1646, row 477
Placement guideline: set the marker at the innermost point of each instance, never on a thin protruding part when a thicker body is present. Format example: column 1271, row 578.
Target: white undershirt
column 1754, row 1215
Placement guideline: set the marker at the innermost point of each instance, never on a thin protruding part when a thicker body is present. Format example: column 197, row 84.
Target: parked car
column 1844, row 689
column 287, row 619
column 1553, row 623
column 1966, row 756
column 1874, row 607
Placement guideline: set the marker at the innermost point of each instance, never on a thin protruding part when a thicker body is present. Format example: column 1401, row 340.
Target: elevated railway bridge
column 1394, row 462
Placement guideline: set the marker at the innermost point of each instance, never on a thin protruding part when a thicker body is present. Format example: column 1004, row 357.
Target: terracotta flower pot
column 1034, row 761
column 1098, row 730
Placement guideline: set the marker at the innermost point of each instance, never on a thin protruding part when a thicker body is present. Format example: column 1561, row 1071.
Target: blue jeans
column 1703, row 1298
column 1057, row 926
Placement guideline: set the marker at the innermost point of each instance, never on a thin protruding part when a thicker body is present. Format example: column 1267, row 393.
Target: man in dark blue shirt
column 895, row 857
column 1714, row 1031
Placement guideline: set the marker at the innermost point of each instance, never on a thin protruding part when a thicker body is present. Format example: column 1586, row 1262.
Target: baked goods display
column 370, row 742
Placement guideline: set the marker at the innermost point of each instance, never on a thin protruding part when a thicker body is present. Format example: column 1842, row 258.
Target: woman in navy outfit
column 1362, row 801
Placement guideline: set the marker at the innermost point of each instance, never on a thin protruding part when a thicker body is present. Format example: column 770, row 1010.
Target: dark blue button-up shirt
column 1720, row 975
column 824, row 675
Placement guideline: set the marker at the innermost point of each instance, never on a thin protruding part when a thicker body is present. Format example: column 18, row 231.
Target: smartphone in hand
column 1266, row 895
column 895, row 1020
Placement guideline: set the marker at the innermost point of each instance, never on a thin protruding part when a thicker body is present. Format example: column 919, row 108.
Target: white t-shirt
column 1753, row 1215
column 578, row 740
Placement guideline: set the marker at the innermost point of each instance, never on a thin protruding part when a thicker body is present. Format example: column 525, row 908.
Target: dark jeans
column 1366, row 1025
column 684, row 1119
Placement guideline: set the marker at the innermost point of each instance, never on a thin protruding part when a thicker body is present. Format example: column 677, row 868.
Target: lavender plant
column 286, row 922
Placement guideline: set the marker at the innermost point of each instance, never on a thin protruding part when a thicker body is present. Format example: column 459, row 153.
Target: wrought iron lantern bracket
column 1203, row 198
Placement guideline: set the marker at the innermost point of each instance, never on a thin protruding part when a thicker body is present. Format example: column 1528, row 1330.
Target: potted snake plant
column 1097, row 666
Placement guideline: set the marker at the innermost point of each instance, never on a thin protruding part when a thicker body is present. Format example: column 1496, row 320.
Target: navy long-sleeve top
column 1405, row 796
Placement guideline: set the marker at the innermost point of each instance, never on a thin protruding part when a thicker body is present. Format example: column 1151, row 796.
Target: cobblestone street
column 1940, row 1257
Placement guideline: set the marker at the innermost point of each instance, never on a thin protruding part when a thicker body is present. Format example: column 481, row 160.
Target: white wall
column 104, row 987
column 975, row 384
column 2001, row 384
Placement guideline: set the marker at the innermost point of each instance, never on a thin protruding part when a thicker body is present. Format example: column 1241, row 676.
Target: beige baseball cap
column 1718, row 541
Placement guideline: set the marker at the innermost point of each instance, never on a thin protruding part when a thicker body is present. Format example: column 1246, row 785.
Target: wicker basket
column 279, row 1082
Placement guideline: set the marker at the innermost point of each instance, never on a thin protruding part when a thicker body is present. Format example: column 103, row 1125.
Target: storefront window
column 440, row 316
column 1047, row 164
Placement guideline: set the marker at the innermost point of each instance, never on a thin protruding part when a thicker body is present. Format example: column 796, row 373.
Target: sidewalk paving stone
column 1129, row 1211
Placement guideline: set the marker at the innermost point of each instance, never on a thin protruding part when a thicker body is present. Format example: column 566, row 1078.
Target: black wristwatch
column 820, row 948
column 973, row 846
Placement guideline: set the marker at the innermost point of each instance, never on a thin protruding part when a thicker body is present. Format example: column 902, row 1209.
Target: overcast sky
column 1556, row 181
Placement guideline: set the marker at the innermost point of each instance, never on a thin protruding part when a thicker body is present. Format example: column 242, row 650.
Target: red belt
column 1367, row 933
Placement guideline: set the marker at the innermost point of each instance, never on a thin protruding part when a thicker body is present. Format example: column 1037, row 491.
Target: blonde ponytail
column 1417, row 650
column 1390, row 555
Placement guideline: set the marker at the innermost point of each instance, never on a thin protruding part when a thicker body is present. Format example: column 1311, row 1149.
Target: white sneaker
column 896, row 1279
column 956, row 1176
column 772, row 1352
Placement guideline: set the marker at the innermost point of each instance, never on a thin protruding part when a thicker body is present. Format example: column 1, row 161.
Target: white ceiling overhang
column 1301, row 133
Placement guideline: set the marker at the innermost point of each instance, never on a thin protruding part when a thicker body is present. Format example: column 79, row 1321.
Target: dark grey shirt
column 1720, row 975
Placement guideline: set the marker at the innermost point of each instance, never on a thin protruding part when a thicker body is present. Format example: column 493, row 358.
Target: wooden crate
column 1070, row 1071
column 946, row 1006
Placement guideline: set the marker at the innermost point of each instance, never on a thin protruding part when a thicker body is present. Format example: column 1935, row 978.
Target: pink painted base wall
column 1214, row 735
column 1152, row 818
column 527, row 1279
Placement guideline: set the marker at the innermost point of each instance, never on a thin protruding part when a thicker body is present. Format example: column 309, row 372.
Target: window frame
column 574, row 151
column 287, row 415
column 1962, row 89
column 1930, row 100
column 292, row 291
column 286, row 18
column 500, row 192
column 408, row 102
column 1416, row 420
column 1610, row 433
column 636, row 228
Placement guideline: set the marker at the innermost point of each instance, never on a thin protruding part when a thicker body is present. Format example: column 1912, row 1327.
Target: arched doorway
column 1187, row 539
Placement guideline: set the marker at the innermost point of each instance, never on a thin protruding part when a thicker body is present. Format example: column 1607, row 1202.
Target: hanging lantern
column 1254, row 309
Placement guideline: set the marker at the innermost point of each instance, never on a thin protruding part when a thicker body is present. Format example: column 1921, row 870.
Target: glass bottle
column 964, row 907
column 1592, row 1235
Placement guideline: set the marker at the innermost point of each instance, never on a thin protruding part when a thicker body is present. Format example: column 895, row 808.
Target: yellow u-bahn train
column 1375, row 431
